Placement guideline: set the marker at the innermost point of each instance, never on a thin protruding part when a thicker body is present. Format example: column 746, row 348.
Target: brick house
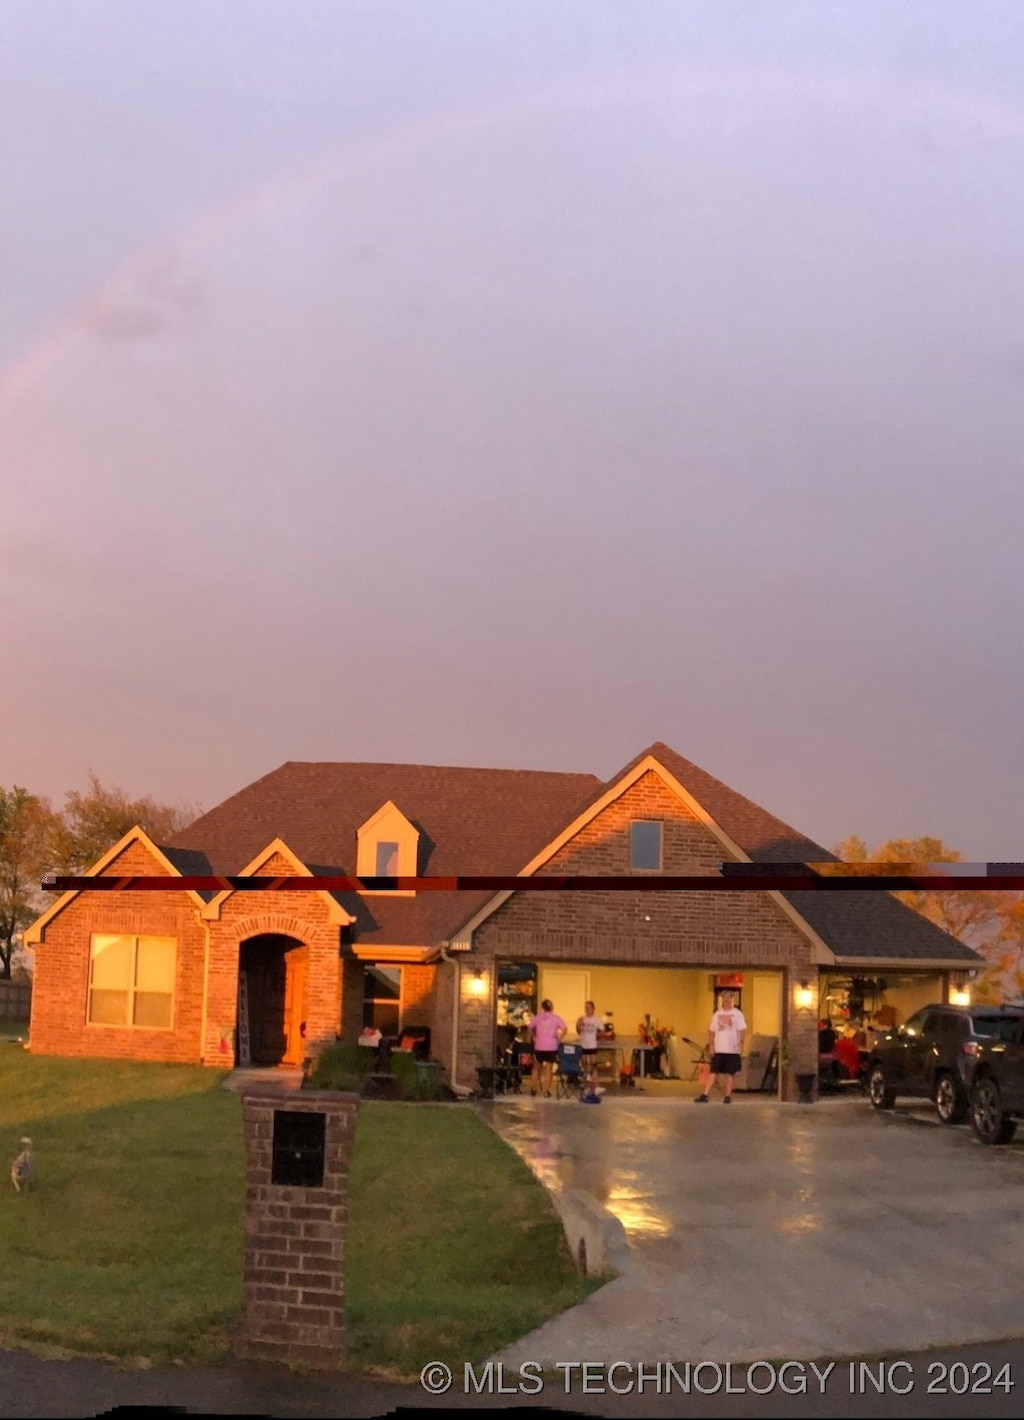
column 156, row 976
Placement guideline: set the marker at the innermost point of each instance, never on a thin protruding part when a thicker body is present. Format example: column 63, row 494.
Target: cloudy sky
column 515, row 384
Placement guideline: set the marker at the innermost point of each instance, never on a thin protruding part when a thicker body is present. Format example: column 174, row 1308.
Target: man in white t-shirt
column 725, row 1042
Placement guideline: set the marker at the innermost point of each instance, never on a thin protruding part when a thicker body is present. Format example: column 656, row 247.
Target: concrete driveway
column 765, row 1230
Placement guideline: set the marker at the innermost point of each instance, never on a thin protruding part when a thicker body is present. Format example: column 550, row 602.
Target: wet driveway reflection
column 668, row 1169
column 835, row 1226
column 840, row 1230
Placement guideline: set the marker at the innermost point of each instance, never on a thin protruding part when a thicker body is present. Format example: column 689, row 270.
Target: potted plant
column 805, row 1084
column 804, row 1080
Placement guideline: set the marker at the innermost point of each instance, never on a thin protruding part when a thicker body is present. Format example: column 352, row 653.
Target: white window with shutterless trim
column 388, row 847
column 131, row 981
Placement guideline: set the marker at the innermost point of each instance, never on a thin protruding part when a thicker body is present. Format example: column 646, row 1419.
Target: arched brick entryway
column 275, row 972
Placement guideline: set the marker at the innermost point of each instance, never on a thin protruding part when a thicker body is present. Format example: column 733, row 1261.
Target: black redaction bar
column 735, row 877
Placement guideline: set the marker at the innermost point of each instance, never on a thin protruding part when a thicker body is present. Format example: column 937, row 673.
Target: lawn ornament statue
column 22, row 1168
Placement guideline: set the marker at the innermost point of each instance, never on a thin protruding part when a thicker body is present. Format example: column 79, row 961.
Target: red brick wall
column 441, row 1025
column 353, row 978
column 62, row 968
column 302, row 916
column 295, row 1238
column 59, row 998
column 713, row 930
column 418, row 995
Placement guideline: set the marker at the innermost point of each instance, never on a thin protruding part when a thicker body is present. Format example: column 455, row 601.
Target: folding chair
column 700, row 1060
column 569, row 1075
column 522, row 1064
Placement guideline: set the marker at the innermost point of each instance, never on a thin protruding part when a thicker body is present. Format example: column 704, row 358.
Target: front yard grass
column 130, row 1245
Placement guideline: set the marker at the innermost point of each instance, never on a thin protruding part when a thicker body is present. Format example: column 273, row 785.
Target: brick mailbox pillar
column 297, row 1149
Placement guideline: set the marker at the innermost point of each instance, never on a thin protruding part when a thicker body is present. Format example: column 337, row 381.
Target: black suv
column 997, row 1082
column 933, row 1057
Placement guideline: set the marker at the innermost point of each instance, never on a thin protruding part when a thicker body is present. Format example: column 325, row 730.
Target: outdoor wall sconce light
column 804, row 997
column 959, row 996
column 477, row 984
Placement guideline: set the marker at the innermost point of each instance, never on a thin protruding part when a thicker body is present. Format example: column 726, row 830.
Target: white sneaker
column 599, row 1089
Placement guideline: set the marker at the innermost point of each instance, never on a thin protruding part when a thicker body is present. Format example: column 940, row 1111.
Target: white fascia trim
column 336, row 914
column 854, row 964
column 414, row 956
column 34, row 934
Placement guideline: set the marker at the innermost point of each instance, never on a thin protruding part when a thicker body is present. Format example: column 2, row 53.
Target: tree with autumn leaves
column 36, row 839
column 990, row 922
column 23, row 834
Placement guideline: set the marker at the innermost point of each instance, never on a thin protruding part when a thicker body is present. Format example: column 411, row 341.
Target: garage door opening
column 657, row 1019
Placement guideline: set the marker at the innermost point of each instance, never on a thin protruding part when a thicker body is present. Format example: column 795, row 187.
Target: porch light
column 477, row 984
column 959, row 996
column 804, row 997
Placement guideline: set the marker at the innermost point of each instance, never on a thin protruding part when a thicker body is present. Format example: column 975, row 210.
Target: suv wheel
column 950, row 1104
column 988, row 1116
column 879, row 1092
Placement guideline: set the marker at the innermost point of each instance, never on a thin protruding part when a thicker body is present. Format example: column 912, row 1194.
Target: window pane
column 154, row 964
column 382, row 983
column 111, row 962
column 1003, row 1028
column 108, row 1008
column 645, row 845
column 382, row 1016
column 387, row 860
column 153, row 1008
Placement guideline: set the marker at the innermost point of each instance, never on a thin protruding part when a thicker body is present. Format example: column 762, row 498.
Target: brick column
column 294, row 1270
column 800, row 1025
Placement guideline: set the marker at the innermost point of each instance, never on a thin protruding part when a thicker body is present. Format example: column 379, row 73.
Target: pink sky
column 512, row 390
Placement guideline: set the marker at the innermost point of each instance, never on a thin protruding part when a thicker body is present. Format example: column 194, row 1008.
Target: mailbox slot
column 298, row 1151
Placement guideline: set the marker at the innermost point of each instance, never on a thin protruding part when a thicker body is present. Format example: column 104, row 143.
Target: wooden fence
column 15, row 1001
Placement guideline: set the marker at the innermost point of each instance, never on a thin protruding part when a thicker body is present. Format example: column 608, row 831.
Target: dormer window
column 387, row 860
column 388, row 847
column 645, row 846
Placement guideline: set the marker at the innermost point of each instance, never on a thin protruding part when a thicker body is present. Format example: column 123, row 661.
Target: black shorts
column 726, row 1064
column 589, row 1057
column 546, row 1057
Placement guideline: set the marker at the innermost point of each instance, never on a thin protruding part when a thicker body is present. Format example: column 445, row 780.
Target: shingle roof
column 494, row 821
column 470, row 821
column 854, row 925
column 190, row 863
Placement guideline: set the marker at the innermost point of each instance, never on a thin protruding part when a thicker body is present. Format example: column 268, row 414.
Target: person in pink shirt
column 548, row 1030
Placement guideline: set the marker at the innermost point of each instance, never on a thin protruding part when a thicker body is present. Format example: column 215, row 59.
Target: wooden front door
column 296, row 963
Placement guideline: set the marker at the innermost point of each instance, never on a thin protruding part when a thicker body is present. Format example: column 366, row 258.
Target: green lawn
column 131, row 1244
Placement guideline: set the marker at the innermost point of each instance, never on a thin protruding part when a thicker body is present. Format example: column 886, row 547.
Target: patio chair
column 569, row 1074
column 415, row 1039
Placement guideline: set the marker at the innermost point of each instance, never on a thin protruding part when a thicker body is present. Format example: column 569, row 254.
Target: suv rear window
column 917, row 1022
column 997, row 1027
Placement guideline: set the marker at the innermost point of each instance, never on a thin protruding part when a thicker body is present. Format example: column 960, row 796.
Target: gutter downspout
column 457, row 964
column 206, row 983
